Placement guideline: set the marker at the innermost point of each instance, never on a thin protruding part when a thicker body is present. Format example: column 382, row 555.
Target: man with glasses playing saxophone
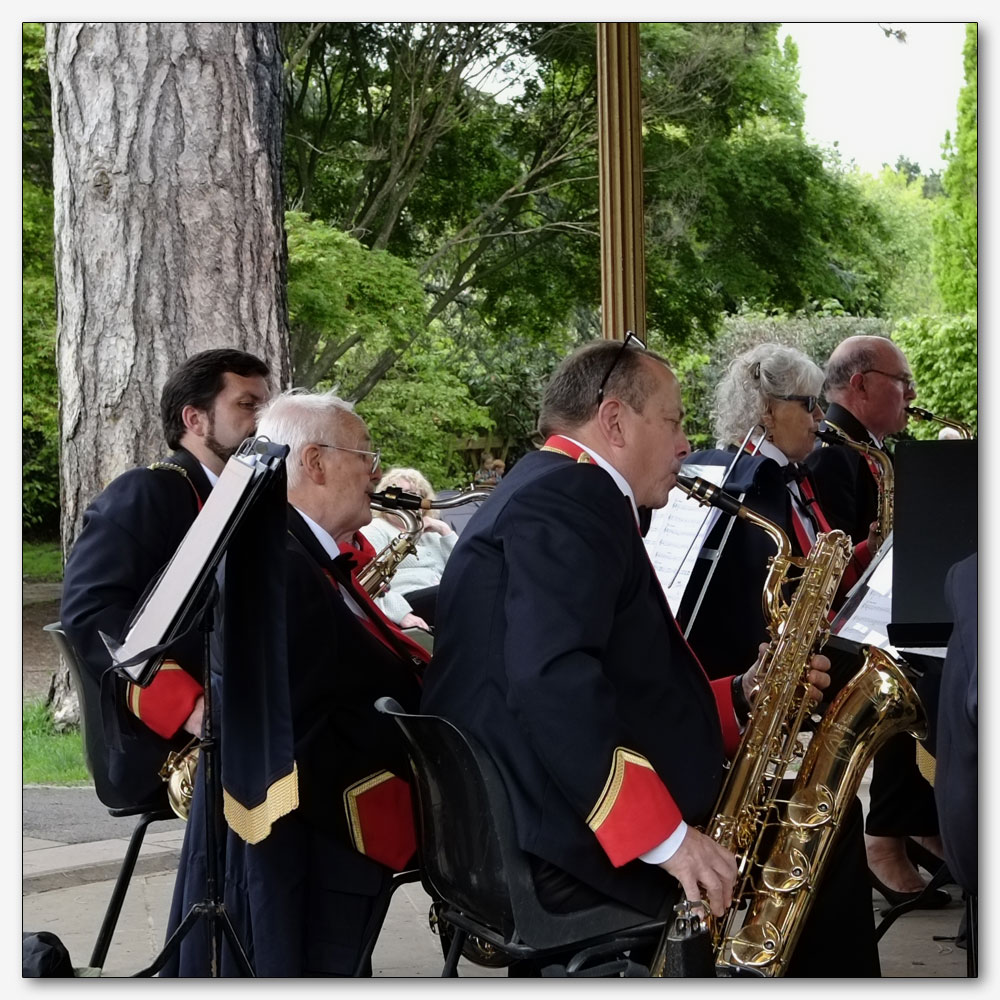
column 303, row 900
column 869, row 386
column 556, row 651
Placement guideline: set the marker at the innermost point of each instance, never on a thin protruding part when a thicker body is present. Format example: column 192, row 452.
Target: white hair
column 298, row 417
column 755, row 378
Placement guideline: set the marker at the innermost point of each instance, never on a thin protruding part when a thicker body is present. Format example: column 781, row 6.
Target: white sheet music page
column 153, row 622
column 677, row 533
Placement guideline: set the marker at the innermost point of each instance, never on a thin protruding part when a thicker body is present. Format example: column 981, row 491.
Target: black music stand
column 936, row 525
column 184, row 598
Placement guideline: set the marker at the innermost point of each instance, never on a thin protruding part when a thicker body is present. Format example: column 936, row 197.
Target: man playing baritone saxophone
column 130, row 532
column 869, row 385
column 557, row 651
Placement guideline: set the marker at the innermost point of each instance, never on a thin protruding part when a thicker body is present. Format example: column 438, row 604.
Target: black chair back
column 468, row 845
column 95, row 749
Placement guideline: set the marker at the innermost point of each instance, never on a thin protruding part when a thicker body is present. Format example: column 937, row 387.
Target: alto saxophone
column 374, row 577
column 881, row 466
column 782, row 845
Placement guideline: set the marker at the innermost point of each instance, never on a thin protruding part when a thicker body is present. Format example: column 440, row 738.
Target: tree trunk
column 169, row 228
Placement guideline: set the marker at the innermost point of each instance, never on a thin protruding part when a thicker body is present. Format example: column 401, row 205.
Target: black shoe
column 932, row 900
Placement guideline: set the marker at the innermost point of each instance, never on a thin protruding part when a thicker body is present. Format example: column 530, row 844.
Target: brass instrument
column 921, row 414
column 782, row 845
column 882, row 467
column 179, row 772
column 375, row 576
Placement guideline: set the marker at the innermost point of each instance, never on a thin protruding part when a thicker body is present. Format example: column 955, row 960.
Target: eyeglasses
column 376, row 454
column 618, row 356
column 906, row 381
column 809, row 402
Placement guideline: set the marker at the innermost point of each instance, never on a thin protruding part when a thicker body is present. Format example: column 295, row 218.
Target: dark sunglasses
column 630, row 336
column 809, row 402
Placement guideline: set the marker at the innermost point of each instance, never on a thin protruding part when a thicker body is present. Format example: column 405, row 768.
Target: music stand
column 183, row 598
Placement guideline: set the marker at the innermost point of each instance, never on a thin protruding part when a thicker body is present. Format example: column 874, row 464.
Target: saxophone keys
column 788, row 871
column 811, row 806
column 755, row 945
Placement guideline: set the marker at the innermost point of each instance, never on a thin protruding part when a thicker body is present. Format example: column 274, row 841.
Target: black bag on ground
column 43, row 954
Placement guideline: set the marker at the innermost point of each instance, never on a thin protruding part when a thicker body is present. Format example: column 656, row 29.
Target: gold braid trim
column 254, row 824
column 351, row 805
column 613, row 785
column 169, row 465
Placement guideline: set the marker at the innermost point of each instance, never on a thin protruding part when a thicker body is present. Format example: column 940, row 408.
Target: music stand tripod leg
column 212, row 906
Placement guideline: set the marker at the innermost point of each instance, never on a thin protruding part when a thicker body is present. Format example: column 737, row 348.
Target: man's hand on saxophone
column 704, row 869
column 818, row 676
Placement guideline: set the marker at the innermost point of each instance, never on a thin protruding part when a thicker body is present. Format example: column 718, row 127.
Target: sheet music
column 677, row 533
column 158, row 614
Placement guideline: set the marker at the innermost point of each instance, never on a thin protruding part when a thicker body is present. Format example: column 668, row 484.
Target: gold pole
column 619, row 151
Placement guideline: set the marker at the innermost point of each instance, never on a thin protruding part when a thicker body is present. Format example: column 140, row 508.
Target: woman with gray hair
column 768, row 403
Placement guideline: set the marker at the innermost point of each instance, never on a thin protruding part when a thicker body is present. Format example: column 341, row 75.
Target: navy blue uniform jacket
column 130, row 532
column 300, row 898
column 956, row 780
column 557, row 651
column 842, row 478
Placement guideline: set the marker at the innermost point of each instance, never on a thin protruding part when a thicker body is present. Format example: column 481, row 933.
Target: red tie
column 376, row 622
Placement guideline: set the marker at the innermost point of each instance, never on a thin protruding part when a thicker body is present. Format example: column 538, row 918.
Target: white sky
column 878, row 97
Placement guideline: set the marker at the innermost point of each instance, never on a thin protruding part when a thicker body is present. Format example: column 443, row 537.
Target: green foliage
column 39, row 381
column 901, row 198
column 943, row 355
column 956, row 229
column 341, row 294
column 41, row 562
column 49, row 757
column 417, row 412
column 742, row 212
column 36, row 115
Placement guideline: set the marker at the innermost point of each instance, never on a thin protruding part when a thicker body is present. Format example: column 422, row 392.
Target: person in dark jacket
column 869, row 385
column 130, row 532
column 556, row 650
column 772, row 392
column 956, row 777
column 303, row 897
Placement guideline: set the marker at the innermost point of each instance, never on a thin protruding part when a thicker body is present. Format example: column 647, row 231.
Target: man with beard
column 130, row 532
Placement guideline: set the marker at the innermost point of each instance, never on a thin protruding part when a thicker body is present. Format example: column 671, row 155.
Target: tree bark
column 169, row 227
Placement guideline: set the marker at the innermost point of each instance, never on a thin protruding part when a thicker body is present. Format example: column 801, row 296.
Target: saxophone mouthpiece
column 396, row 499
column 828, row 436
column 920, row 413
column 708, row 493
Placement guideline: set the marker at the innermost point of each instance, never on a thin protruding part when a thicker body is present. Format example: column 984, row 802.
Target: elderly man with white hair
column 303, row 900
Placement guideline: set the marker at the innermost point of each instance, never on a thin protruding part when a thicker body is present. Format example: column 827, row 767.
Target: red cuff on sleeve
column 635, row 812
column 723, row 691
column 165, row 704
column 860, row 559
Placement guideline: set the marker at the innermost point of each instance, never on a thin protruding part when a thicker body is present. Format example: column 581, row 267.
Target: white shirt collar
column 210, row 475
column 620, row 481
column 323, row 536
column 770, row 450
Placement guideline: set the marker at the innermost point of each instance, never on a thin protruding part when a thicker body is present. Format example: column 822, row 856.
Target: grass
column 48, row 757
column 41, row 562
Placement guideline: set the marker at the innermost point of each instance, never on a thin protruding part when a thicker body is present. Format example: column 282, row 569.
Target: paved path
column 66, row 886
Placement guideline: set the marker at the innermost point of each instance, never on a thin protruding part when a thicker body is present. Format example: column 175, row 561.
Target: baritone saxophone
column 782, row 844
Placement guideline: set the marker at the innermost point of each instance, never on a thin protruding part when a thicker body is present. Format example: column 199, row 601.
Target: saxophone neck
column 708, row 494
column 964, row 430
